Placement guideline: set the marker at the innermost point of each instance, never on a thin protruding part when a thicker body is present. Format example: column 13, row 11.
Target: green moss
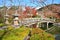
column 38, row 34
column 17, row 34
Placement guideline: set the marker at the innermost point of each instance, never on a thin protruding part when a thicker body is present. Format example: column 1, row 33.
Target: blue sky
column 27, row 2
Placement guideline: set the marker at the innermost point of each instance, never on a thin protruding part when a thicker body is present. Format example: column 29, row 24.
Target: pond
column 57, row 37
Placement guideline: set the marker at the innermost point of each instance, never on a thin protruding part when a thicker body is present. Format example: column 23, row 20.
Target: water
column 57, row 37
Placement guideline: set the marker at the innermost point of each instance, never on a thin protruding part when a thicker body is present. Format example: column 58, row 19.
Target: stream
column 57, row 37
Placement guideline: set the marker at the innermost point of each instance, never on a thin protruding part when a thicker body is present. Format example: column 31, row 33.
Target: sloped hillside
column 51, row 11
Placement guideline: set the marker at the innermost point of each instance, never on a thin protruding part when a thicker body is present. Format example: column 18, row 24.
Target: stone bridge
column 31, row 21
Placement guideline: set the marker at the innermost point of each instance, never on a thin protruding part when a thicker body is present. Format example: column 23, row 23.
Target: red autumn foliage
column 51, row 11
column 27, row 8
column 30, row 11
column 34, row 11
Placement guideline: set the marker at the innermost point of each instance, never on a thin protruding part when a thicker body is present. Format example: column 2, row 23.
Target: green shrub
column 10, row 20
column 1, row 32
column 1, row 19
column 2, row 24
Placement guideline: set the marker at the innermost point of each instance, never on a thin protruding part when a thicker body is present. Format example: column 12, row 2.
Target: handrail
column 30, row 21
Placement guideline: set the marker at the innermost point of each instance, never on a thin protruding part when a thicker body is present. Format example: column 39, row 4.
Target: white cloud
column 37, row 8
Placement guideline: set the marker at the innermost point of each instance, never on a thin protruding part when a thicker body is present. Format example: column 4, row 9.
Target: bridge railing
column 27, row 21
column 48, row 19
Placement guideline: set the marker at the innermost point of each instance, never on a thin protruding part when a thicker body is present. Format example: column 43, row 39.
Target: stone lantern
column 16, row 19
column 6, row 19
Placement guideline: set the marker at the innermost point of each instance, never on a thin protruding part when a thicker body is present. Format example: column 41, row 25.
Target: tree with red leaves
column 30, row 11
column 27, row 8
column 34, row 12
